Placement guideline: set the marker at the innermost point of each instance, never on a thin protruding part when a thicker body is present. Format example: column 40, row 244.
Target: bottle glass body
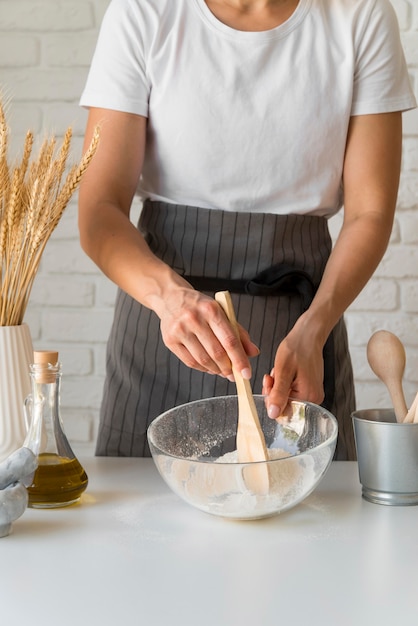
column 60, row 478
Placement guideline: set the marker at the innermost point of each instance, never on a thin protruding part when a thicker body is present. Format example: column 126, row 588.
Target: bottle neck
column 43, row 409
column 45, row 373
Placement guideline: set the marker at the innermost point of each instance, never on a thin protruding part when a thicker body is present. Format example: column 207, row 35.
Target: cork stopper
column 45, row 357
column 45, row 360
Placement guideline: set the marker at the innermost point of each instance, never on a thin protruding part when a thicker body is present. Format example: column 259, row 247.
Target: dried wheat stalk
column 33, row 195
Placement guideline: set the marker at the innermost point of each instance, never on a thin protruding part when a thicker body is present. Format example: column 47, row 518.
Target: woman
column 244, row 126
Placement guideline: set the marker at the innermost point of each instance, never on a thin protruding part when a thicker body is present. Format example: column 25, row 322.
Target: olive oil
column 57, row 482
column 59, row 479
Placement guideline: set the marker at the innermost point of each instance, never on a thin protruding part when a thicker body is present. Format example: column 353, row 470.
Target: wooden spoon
column 386, row 356
column 251, row 444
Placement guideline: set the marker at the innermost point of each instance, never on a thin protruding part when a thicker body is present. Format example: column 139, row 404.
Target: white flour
column 219, row 487
column 289, row 482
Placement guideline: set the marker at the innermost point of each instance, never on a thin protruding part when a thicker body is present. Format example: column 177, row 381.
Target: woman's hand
column 298, row 372
column 195, row 328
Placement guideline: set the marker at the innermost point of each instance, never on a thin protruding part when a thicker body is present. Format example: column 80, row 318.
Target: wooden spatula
column 412, row 415
column 251, row 444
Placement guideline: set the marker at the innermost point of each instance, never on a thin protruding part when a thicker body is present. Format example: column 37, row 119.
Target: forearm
column 117, row 247
column 298, row 370
column 358, row 250
column 107, row 234
column 192, row 324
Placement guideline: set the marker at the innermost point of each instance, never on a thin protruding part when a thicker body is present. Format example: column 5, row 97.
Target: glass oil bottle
column 59, row 479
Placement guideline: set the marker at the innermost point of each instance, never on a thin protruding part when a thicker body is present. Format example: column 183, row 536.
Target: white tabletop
column 132, row 552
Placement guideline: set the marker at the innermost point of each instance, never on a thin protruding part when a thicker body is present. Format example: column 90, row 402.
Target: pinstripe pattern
column 144, row 378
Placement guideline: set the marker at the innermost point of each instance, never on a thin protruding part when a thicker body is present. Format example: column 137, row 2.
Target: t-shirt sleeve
column 381, row 80
column 117, row 77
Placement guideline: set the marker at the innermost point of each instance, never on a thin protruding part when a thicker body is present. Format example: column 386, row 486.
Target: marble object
column 16, row 473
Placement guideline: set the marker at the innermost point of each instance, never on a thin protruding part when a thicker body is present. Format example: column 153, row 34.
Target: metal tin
column 387, row 454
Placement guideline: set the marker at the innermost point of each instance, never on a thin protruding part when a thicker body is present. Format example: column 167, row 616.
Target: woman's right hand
column 195, row 328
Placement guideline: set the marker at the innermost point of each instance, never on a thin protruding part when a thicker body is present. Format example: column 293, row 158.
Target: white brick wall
column 45, row 50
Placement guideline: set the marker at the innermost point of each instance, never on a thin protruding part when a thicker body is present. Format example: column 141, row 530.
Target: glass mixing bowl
column 194, row 449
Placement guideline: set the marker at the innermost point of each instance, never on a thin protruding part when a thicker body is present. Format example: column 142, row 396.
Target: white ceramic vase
column 16, row 354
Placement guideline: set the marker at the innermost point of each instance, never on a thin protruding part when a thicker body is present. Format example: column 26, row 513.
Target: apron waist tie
column 278, row 280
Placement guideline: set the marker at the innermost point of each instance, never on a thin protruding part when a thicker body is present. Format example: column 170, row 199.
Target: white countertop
column 132, row 552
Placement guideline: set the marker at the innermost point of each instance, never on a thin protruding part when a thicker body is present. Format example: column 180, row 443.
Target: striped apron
column 218, row 250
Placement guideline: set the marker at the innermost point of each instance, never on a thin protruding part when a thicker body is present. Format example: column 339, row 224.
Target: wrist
column 316, row 323
column 163, row 287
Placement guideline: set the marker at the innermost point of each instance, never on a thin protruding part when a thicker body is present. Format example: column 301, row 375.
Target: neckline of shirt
column 273, row 33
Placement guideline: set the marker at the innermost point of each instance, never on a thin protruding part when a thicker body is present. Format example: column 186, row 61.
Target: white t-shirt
column 248, row 121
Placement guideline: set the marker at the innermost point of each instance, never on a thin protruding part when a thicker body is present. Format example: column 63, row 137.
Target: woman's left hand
column 298, row 373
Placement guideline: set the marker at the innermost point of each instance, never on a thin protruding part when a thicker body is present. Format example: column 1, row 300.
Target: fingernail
column 273, row 411
column 231, row 378
column 246, row 373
